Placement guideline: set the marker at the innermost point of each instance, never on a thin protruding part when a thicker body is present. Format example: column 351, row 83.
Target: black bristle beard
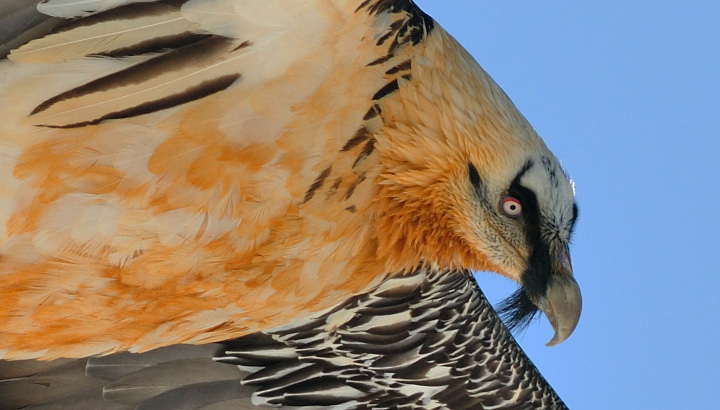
column 517, row 310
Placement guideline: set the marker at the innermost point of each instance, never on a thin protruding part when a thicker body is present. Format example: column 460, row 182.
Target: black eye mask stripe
column 518, row 310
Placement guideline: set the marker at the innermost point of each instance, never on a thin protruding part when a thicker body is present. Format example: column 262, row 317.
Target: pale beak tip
column 562, row 306
column 557, row 339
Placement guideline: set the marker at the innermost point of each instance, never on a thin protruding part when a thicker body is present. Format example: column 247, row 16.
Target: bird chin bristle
column 517, row 311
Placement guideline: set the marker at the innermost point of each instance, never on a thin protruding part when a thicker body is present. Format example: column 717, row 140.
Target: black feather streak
column 373, row 112
column 474, row 177
column 197, row 92
column 367, row 149
column 317, row 184
column 143, row 72
column 387, row 89
column 360, row 135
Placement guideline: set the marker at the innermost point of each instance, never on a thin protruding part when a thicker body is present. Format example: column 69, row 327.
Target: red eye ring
column 511, row 207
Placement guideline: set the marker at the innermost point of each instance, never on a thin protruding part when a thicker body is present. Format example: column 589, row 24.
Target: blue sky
column 627, row 95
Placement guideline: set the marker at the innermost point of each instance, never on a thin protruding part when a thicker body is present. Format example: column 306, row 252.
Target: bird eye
column 511, row 207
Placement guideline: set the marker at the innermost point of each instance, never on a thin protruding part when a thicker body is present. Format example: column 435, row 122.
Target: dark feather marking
column 242, row 45
column 313, row 393
column 304, row 374
column 366, row 151
column 456, row 397
column 474, row 177
column 143, row 71
column 380, row 60
column 403, row 345
column 351, row 190
column 386, row 307
column 405, row 65
column 375, row 338
column 127, row 12
column 319, row 181
column 550, row 167
column 411, row 28
column 360, row 135
column 201, row 90
column 384, row 37
column 363, row 5
column 155, row 45
column 387, row 89
column 528, row 164
column 394, row 27
column 333, row 188
column 351, row 209
column 398, row 302
column 419, row 22
column 373, row 112
column 271, row 371
column 418, row 373
column 337, row 183
column 390, row 6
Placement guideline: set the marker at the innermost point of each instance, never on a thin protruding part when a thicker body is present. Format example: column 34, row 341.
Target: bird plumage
column 426, row 340
column 189, row 172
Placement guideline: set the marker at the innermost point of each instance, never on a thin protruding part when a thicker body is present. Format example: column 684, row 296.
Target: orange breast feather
column 225, row 214
column 236, row 177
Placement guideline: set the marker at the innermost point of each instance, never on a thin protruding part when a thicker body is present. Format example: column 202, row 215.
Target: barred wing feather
column 427, row 340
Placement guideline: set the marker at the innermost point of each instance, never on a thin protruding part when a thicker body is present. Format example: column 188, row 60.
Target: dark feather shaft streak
column 319, row 181
column 202, row 90
column 145, row 71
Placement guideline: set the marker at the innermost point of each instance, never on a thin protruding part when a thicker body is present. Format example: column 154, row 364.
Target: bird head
column 467, row 183
column 523, row 223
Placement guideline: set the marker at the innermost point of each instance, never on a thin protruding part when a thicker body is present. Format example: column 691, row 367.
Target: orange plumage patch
column 335, row 157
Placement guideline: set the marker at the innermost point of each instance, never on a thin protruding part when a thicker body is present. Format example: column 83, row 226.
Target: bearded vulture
column 230, row 204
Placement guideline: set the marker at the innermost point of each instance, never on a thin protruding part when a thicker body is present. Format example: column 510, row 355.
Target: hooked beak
column 562, row 305
column 562, row 302
column 548, row 285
